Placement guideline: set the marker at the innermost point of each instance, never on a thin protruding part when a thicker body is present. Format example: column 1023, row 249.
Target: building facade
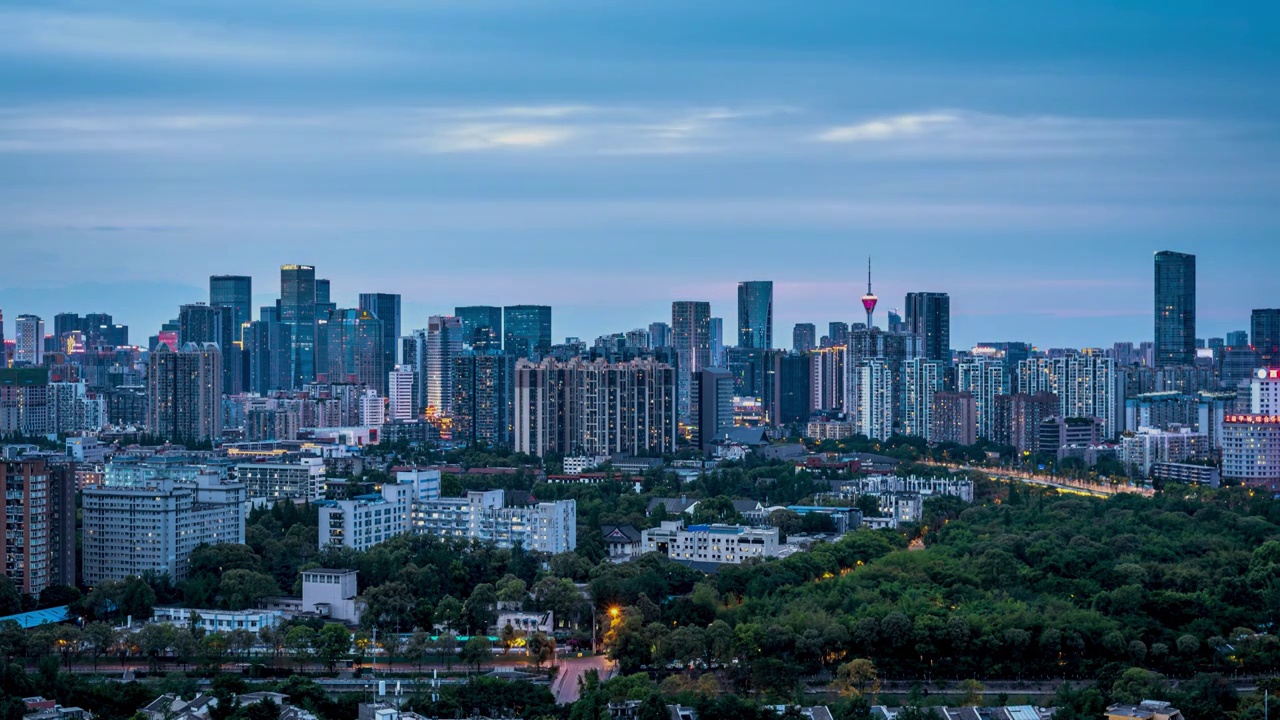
column 954, row 418
column 184, row 393
column 483, row 399
column 1175, row 309
column 526, row 330
column 691, row 338
column 235, row 292
column 928, row 315
column 755, row 314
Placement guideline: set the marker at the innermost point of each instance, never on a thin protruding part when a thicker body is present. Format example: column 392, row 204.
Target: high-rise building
column 691, row 338
column 876, row 344
column 954, row 418
column 27, row 561
column 787, row 383
column 659, row 335
column 324, row 300
column 402, row 407
column 29, row 335
column 200, row 324
column 929, row 317
column 297, row 309
column 755, row 314
column 385, row 307
column 873, row 413
column 483, row 398
column 921, row 380
column 804, row 337
column 235, row 292
column 1238, row 338
column 481, row 327
column 269, row 347
column 24, row 401
column 149, row 520
column 355, row 350
column 594, row 407
column 184, row 393
column 716, row 330
column 984, row 380
column 713, row 388
column 1086, row 386
column 638, row 339
column 1175, row 309
column 827, row 379
column 1018, row 419
column 837, row 333
column 1265, row 328
column 443, row 347
column 526, row 330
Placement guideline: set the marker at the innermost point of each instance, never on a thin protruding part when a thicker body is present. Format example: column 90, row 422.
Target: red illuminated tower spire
column 869, row 300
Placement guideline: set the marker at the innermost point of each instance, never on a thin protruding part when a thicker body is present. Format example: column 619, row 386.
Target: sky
column 607, row 158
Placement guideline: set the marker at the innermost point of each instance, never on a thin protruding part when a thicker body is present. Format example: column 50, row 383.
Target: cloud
column 473, row 137
column 42, row 32
column 886, row 128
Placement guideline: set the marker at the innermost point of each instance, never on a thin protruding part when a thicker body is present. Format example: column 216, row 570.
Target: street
column 565, row 687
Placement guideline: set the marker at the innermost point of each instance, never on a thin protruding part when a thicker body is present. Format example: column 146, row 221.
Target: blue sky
column 610, row 157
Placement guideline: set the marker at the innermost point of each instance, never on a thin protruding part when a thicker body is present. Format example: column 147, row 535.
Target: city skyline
column 1029, row 168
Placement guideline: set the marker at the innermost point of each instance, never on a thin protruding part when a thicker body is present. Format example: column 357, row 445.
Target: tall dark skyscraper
column 235, row 292
column 805, row 337
column 526, row 330
column 755, row 314
column 481, row 327
column 691, row 339
column 1265, row 331
column 837, row 333
column 298, row 311
column 269, row 346
column 385, row 307
column 202, row 324
column 483, row 399
column 354, row 349
column 1175, row 309
column 929, row 316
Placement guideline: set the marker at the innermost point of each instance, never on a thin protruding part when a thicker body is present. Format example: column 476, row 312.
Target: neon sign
column 1253, row 419
column 1269, row 373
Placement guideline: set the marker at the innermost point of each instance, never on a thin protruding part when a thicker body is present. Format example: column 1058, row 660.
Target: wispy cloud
column 886, row 128
column 41, row 32
column 472, row 137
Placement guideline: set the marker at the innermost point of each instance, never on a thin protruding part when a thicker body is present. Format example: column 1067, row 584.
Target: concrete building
column 954, row 418
column 301, row 478
column 691, row 339
column 332, row 594
column 1086, row 386
column 24, row 401
column 717, row 544
column 483, row 399
column 1059, row 432
column 149, row 519
column 1251, row 441
column 827, row 378
column 1018, row 418
column 72, row 408
column 1148, row 446
column 873, row 414
column 220, row 621
column 713, row 397
column 28, row 551
column 29, row 336
column 595, row 407
column 184, row 393
column 985, row 380
column 401, row 406
column 921, row 380
column 804, row 337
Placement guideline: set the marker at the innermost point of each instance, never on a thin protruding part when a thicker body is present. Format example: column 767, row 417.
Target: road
column 1058, row 483
column 565, row 686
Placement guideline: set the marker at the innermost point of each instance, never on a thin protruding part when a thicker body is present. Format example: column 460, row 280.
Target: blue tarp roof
column 39, row 617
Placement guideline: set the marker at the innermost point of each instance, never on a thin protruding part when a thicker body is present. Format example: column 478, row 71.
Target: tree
column 653, row 708
column 265, row 709
column 99, row 636
column 449, row 611
column 476, row 651
column 508, row 637
column 299, row 642
column 447, row 643
column 972, row 692
column 541, row 648
column 331, row 644
column 858, row 678
column 154, row 640
column 242, row 589
column 389, row 606
column 479, row 612
column 241, row 641
column 418, row 648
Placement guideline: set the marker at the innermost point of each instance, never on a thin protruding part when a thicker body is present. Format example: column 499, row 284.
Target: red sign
column 1253, row 419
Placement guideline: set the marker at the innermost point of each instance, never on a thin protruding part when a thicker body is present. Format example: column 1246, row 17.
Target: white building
column 86, row 449
column 577, row 464
column 921, row 379
column 1086, row 386
column 331, row 593
column 984, row 379
column 721, row 544
column 873, row 399
column 373, row 409
column 73, row 409
column 29, row 349
column 222, row 621
column 1149, row 446
column 1251, row 441
column 271, row 480
column 153, row 524
column 829, row 430
column 401, row 405
column 367, row 520
column 1264, row 392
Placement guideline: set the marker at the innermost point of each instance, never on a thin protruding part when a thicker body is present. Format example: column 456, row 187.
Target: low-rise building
column 718, row 544
column 1186, row 473
column 1145, row 710
column 298, row 478
column 1147, row 446
column 622, row 542
column 220, row 620
column 526, row 623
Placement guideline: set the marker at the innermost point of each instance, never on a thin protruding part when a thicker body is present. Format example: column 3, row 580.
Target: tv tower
column 869, row 300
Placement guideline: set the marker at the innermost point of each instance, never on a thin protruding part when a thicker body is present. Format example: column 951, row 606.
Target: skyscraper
column 481, row 327
column 691, row 339
column 837, row 333
column 526, row 330
column 1239, row 338
column 269, row 346
column 199, row 324
column 401, row 406
column 298, row 311
column 1086, row 386
column 482, row 399
column 921, row 380
column 355, row 350
column 984, row 380
column 659, row 335
column 755, row 314
column 873, row 413
column 444, row 346
column 184, row 393
column 929, row 316
column 1175, row 309
column 385, row 307
column 29, row 334
column 1265, row 328
column 235, row 292
column 716, row 330
column 713, row 388
column 804, row 337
